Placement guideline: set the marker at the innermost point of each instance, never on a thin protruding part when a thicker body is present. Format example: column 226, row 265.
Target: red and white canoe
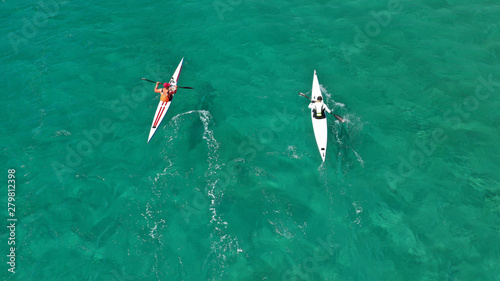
column 162, row 108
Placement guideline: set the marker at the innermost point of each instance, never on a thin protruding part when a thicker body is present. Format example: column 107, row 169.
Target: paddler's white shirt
column 319, row 106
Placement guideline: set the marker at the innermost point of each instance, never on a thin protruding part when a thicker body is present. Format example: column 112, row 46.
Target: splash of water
column 349, row 122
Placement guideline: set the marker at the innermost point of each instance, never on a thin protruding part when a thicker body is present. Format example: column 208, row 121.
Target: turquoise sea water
column 232, row 187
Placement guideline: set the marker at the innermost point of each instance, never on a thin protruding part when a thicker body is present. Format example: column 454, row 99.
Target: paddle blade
column 304, row 95
column 339, row 118
column 148, row 80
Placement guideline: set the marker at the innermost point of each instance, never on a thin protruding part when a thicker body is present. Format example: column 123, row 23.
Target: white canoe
column 162, row 108
column 319, row 125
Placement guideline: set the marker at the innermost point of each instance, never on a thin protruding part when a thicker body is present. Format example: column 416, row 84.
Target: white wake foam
column 222, row 243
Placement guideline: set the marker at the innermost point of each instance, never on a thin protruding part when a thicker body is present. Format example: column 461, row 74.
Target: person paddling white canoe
column 318, row 116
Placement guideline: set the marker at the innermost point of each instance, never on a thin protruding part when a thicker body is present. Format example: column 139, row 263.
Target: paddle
column 177, row 86
column 335, row 115
column 304, row 95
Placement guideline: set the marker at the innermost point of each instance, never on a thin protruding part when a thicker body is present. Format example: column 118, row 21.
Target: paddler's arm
column 156, row 88
column 327, row 109
column 311, row 105
column 336, row 116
